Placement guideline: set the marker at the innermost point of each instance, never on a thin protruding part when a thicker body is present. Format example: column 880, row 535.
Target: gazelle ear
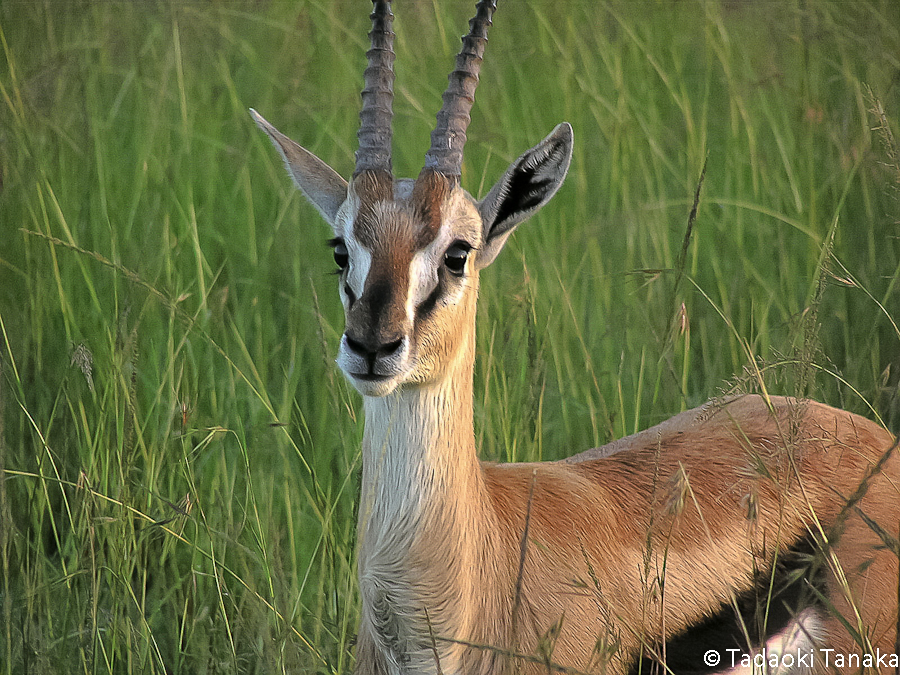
column 527, row 185
column 319, row 183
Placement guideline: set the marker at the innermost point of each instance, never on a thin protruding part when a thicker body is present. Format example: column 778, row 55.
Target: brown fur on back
column 705, row 502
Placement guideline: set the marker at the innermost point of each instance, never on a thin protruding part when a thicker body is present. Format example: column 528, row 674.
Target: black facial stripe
column 427, row 305
column 351, row 296
column 379, row 295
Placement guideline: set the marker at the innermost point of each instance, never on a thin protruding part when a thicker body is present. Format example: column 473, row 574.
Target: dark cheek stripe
column 428, row 304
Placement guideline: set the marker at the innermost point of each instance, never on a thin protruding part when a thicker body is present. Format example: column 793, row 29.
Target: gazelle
column 745, row 522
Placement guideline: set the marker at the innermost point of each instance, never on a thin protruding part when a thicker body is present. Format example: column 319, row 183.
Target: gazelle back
column 744, row 523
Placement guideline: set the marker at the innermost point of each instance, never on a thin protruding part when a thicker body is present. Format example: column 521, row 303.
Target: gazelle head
column 409, row 251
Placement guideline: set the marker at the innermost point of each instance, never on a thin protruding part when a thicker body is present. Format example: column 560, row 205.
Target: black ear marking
column 527, row 185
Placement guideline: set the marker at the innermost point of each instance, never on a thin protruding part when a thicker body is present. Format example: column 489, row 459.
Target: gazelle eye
column 456, row 256
column 341, row 255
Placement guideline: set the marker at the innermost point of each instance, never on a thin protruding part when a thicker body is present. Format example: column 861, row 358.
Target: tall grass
column 178, row 457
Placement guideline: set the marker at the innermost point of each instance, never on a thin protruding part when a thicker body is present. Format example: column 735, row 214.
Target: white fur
column 360, row 265
column 405, row 467
column 423, row 272
column 802, row 637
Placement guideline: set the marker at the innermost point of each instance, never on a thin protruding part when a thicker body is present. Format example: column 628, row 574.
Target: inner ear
column 527, row 185
column 523, row 193
column 322, row 186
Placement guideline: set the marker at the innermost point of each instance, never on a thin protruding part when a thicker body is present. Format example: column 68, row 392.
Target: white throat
column 421, row 518
column 418, row 442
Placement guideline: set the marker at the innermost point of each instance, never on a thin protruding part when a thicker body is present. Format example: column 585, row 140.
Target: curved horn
column 449, row 135
column 378, row 95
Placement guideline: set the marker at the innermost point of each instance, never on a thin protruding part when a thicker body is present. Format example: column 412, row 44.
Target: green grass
column 168, row 325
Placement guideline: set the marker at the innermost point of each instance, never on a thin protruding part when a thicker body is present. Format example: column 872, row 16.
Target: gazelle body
column 726, row 527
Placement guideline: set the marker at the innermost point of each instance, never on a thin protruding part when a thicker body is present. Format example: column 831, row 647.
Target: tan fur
column 590, row 522
column 371, row 188
column 428, row 198
column 599, row 530
column 700, row 501
column 627, row 545
column 594, row 562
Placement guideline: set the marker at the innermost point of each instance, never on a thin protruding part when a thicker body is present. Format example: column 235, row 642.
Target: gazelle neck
column 423, row 520
column 419, row 449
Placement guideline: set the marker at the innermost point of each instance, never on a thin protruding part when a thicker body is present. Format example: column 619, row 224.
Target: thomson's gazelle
column 742, row 523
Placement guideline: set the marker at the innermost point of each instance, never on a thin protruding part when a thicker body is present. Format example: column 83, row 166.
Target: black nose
column 372, row 349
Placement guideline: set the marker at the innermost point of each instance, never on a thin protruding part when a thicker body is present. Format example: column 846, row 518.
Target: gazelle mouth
column 370, row 384
column 370, row 377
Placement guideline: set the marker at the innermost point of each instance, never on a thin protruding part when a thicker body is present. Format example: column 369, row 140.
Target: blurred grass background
column 179, row 456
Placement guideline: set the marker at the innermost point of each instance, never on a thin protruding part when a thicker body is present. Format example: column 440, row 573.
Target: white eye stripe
column 423, row 270
column 360, row 263
column 360, row 258
column 421, row 280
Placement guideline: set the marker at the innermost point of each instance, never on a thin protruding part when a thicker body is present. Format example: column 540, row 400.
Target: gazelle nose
column 373, row 349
